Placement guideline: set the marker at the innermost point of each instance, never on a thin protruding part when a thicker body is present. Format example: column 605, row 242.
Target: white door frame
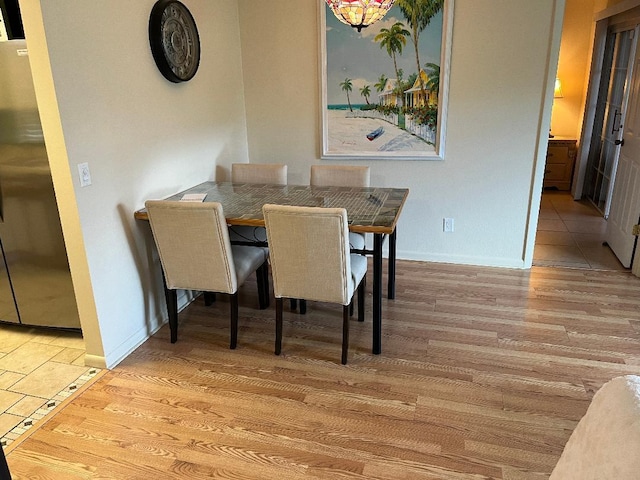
column 535, row 193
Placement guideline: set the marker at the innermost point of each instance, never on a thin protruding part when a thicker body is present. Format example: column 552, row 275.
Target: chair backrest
column 275, row 173
column 309, row 251
column 339, row 176
column 193, row 243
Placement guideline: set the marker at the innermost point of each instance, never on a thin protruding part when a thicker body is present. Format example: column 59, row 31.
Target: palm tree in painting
column 365, row 92
column 393, row 39
column 347, row 87
column 433, row 73
column 382, row 82
column 418, row 14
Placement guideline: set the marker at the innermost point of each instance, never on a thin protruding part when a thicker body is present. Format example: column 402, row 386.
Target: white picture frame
column 351, row 132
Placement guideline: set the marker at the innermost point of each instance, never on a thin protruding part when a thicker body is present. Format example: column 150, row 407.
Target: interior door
column 609, row 118
column 625, row 200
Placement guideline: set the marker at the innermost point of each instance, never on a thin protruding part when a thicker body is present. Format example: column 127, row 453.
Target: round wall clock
column 174, row 40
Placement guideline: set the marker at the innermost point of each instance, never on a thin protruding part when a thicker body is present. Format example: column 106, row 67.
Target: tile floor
column 570, row 234
column 39, row 369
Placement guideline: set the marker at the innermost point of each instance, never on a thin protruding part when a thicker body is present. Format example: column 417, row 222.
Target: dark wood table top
column 369, row 209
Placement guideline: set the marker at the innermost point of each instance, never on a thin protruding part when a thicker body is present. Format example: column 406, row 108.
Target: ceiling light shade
column 359, row 13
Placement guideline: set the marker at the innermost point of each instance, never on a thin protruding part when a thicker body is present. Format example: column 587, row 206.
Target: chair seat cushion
column 358, row 269
column 247, row 260
column 356, row 240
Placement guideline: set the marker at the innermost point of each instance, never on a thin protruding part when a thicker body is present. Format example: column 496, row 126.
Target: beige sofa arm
column 606, row 443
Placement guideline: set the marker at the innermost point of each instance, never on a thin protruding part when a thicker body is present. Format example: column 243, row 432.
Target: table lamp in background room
column 557, row 93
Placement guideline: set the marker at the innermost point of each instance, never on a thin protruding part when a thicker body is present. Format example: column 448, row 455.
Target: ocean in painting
column 345, row 106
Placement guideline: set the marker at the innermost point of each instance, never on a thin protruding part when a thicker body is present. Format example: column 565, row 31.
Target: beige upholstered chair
column 274, row 173
column 342, row 176
column 196, row 254
column 311, row 259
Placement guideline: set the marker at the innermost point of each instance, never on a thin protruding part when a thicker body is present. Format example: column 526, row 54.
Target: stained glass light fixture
column 359, row 13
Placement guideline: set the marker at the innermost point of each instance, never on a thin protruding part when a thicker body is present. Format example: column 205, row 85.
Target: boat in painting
column 375, row 134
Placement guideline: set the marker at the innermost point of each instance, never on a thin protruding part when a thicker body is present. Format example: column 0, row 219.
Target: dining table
column 373, row 210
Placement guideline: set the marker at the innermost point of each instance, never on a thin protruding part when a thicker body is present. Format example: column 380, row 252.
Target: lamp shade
column 359, row 13
column 557, row 90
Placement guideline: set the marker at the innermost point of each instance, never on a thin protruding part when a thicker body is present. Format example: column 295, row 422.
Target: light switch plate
column 84, row 174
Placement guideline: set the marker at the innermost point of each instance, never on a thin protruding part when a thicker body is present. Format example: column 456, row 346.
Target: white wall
column 499, row 105
column 104, row 102
column 142, row 136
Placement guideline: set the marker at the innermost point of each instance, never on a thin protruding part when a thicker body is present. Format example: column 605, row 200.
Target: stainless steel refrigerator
column 35, row 282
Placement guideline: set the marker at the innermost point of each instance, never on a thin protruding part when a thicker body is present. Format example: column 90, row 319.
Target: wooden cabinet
column 561, row 158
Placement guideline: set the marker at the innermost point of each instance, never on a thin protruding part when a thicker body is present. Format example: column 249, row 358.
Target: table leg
column 377, row 293
column 391, row 281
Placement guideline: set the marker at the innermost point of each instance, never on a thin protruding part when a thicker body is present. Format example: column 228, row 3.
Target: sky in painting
column 358, row 56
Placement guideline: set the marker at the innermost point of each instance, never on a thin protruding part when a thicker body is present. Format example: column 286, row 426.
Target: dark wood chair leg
column 171, row 297
column 209, row 298
column 345, row 333
column 233, row 320
column 361, row 297
column 263, row 286
column 294, row 305
column 279, row 309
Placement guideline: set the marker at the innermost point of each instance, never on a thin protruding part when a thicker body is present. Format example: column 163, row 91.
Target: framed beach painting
column 385, row 89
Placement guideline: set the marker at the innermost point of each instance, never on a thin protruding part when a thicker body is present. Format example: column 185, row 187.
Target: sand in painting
column 349, row 135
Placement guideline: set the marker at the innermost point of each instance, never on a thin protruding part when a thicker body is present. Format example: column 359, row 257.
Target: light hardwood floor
column 484, row 374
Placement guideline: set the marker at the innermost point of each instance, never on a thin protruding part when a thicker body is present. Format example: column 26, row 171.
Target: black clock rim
column 155, row 41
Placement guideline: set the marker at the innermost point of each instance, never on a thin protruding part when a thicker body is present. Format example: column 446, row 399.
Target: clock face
column 174, row 40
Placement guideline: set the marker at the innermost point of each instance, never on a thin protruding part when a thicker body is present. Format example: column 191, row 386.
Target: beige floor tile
column 587, row 225
column 69, row 356
column 49, row 379
column 589, row 240
column 71, row 339
column 602, row 258
column 551, row 225
column 26, row 406
column 8, row 399
column 548, row 214
column 554, row 238
column 80, row 360
column 11, row 337
column 7, row 379
column 7, row 422
column 560, row 255
column 28, row 357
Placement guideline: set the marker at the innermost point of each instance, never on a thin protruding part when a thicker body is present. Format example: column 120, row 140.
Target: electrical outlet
column 84, row 174
column 447, row 224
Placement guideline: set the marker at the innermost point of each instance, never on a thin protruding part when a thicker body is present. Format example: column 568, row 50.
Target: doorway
column 609, row 119
column 608, row 168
